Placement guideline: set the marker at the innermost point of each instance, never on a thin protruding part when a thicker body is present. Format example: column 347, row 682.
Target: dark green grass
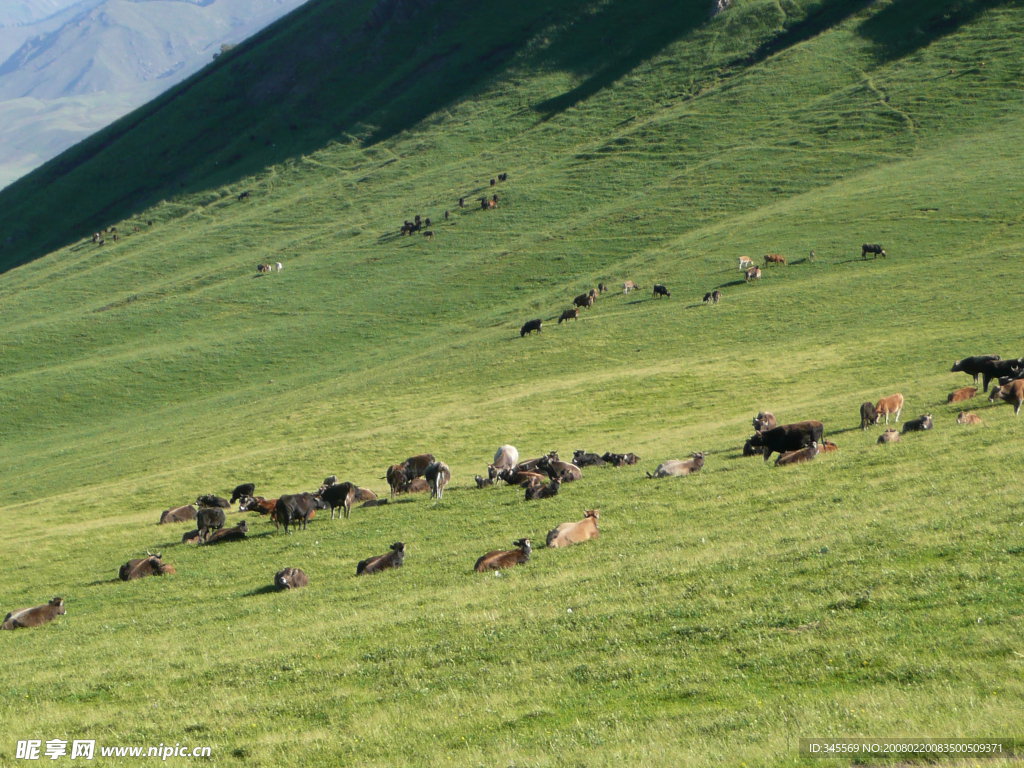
column 719, row 618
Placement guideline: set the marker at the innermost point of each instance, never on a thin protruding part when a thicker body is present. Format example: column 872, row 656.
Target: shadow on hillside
column 733, row 284
column 265, row 590
column 906, row 26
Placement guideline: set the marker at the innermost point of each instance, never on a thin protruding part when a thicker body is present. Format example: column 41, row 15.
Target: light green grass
column 719, row 618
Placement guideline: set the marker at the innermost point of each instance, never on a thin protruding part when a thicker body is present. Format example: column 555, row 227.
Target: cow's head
column 523, row 544
column 594, row 513
column 58, row 603
column 398, row 547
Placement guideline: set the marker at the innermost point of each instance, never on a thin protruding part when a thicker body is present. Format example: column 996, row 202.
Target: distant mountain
column 117, row 53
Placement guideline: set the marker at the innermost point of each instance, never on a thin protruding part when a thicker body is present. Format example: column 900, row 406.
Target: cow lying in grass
column 25, row 618
column 577, row 532
column 798, row 457
column 968, row 418
column 151, row 565
column 237, row 533
column 291, row 578
column 392, row 559
column 679, row 467
column 178, row 515
column 920, row 424
column 965, row 393
column 498, row 559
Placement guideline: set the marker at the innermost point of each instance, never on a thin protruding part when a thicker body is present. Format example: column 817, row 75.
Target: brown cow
column 569, row 314
column 151, row 565
column 34, row 617
column 225, row 534
column 575, row 533
column 497, row 559
column 962, row 394
column 548, row 491
column 774, row 258
column 192, row 537
column 258, row 504
column 516, row 476
column 968, row 418
column 563, row 470
column 364, row 494
column 754, row 273
column 1012, row 393
column 827, row 447
column 891, row 404
column 291, row 578
column 178, row 515
column 392, row 559
column 584, row 301
column 797, row 457
column 764, row 421
column 419, row 485
column 416, row 466
column 396, row 478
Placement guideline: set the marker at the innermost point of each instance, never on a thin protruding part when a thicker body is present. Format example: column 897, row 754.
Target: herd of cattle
column 539, row 477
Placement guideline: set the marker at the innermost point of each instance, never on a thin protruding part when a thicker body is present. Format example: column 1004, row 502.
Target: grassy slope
column 708, row 625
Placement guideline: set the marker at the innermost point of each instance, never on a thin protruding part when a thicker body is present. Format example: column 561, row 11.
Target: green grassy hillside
column 719, row 618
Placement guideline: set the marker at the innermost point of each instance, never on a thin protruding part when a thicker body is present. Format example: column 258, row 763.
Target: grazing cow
column 745, row 263
column 291, row 578
column 713, row 297
column 365, row 494
column 210, row 517
column 543, row 491
column 258, row 504
column 340, row 495
column 178, row 515
column 754, row 273
column 797, row 457
column 505, row 457
column 584, row 301
column 429, row 234
column 241, row 197
column 679, row 467
column 562, row 470
column 483, row 204
column 263, row 269
column 225, row 534
column 530, row 326
column 498, row 559
column 279, row 266
column 192, row 537
column 869, row 415
column 966, row 393
column 974, row 366
column 416, row 466
column 749, row 449
column 584, row 459
column 575, row 533
column 827, row 447
column 392, row 559
column 396, row 478
column 629, row 285
column 438, row 475
column 764, row 421
column 661, row 290
column 593, row 293
column 245, row 489
column 788, row 437
column 602, row 288
column 483, row 482
column 621, row 459
column 707, row 297
column 569, row 314
column 774, row 258
column 151, row 565
column 920, row 424
column 892, row 404
column 968, row 418
column 426, row 222
column 447, row 215
column 493, row 182
column 25, row 618
column 875, row 249
column 209, row 500
column 1012, row 393
column 889, row 436
column 295, row 508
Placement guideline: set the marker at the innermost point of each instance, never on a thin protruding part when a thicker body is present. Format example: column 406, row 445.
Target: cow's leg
column 1017, row 409
column 887, row 418
column 898, row 411
column 985, row 378
column 348, row 509
column 767, row 454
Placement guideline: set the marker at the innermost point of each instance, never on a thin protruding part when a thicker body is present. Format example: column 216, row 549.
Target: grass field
column 719, row 619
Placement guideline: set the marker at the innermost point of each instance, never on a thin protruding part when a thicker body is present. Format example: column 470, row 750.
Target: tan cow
column 968, row 418
column 798, row 457
column 178, row 515
column 889, row 436
column 34, row 617
column 679, row 467
column 962, row 394
column 746, row 262
column 628, row 286
column 892, row 404
column 754, row 273
column 1012, row 393
column 575, row 533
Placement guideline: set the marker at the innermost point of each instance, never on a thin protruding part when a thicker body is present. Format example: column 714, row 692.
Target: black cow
column 209, row 500
column 974, row 366
column 210, row 517
column 530, row 326
column 245, row 489
column 340, row 495
column 920, row 424
column 868, row 415
column 875, row 249
column 296, row 507
column 788, row 437
column 994, row 369
column 584, row 459
column 661, row 290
